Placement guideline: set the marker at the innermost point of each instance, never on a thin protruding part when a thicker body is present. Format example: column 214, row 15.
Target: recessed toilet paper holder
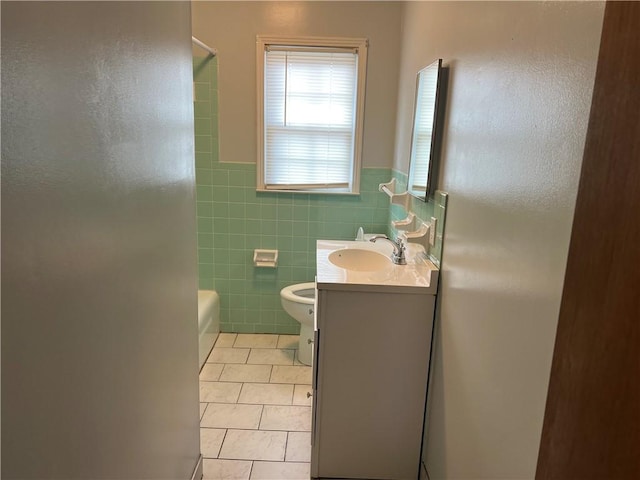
column 265, row 258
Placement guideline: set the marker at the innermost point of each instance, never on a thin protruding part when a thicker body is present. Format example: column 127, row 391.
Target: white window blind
column 309, row 118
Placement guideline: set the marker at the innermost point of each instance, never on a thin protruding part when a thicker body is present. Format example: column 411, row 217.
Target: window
column 310, row 113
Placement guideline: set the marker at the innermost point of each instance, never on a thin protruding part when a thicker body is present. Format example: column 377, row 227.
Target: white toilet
column 297, row 300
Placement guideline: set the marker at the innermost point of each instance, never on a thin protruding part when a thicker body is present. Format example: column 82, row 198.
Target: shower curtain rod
column 212, row 51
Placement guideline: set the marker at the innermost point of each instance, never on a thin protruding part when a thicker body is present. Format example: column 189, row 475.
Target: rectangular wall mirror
column 423, row 136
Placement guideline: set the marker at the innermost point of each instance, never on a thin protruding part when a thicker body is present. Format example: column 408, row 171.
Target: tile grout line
column 222, row 371
column 286, row 445
column 203, row 413
column 222, row 443
column 237, row 402
column 256, row 430
column 260, row 421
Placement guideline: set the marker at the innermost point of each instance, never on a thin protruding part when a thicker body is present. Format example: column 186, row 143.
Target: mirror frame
column 420, row 193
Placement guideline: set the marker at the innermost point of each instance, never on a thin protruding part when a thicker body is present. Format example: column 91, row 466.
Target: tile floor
column 255, row 417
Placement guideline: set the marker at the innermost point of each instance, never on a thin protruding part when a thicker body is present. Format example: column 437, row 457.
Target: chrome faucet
column 397, row 256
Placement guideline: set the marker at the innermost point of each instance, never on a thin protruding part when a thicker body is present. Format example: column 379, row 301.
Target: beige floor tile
column 261, row 373
column 288, row 341
column 227, row 415
column 271, row 356
column 246, row 373
column 226, row 340
column 211, row 372
column 280, row 471
column 256, row 340
column 228, row 355
column 290, row 418
column 298, row 447
column 220, row 392
column 291, row 374
column 266, row 393
column 254, row 445
column 300, row 395
column 225, row 469
column 211, row 441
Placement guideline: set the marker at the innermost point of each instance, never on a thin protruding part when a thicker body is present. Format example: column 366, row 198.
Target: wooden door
column 592, row 419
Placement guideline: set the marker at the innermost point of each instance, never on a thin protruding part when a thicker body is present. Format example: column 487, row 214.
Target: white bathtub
column 208, row 322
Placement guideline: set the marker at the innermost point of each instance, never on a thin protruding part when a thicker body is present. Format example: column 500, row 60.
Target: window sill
column 308, row 192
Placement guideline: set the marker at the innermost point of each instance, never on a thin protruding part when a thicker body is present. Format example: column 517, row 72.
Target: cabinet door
column 317, row 361
column 372, row 371
column 314, row 384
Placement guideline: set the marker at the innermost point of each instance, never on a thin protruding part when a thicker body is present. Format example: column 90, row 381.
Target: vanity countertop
column 418, row 276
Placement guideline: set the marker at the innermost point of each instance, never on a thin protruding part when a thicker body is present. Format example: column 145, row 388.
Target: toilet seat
column 300, row 293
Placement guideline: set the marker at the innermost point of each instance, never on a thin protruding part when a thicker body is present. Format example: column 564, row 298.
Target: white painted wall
column 231, row 27
column 519, row 94
column 99, row 267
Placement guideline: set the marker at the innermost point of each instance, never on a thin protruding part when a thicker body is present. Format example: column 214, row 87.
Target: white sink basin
column 367, row 267
column 359, row 260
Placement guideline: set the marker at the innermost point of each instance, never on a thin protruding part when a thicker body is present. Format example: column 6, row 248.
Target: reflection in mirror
column 424, row 130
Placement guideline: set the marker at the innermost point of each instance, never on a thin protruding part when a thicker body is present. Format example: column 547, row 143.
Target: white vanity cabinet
column 370, row 380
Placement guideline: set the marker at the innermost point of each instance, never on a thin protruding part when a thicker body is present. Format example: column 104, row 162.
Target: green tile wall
column 434, row 207
column 234, row 219
column 205, row 107
column 244, row 220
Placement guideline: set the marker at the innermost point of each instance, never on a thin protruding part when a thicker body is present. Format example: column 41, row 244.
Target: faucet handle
column 398, row 249
column 399, row 257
